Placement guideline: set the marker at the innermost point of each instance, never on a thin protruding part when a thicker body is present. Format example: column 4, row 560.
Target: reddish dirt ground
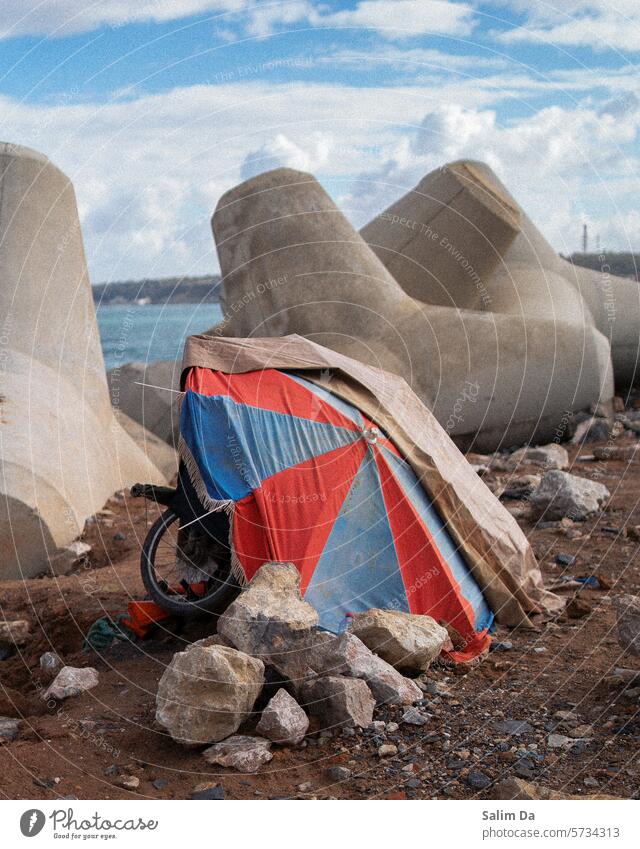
column 81, row 748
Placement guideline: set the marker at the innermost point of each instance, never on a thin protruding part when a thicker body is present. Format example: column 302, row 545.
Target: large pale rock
column 283, row 720
column 338, row 701
column 207, row 692
column 408, row 641
column 628, row 612
column 346, row 654
column 561, row 494
column 551, row 456
column 71, row 681
column 61, row 450
column 271, row 621
column 246, row 754
column 15, row 632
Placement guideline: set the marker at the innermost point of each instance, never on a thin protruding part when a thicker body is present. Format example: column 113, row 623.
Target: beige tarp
column 495, row 548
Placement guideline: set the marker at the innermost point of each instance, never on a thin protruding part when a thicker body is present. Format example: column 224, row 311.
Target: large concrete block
column 291, row 263
column 459, row 238
column 62, row 451
column 143, row 392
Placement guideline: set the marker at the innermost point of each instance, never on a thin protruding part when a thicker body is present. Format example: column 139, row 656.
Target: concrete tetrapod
column 292, row 263
column 62, row 451
column 460, row 239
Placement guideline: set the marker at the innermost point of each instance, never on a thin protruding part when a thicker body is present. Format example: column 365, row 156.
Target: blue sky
column 155, row 108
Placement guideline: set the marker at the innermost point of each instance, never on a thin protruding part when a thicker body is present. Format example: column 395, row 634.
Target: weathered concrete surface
column 291, row 263
column 142, row 391
column 62, row 452
column 460, row 239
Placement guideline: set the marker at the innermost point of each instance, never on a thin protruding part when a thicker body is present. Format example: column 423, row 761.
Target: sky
column 155, row 108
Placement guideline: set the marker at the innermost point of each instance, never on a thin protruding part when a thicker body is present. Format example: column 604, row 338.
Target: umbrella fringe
column 212, row 504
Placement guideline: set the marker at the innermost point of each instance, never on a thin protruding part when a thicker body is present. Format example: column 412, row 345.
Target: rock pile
column 211, row 689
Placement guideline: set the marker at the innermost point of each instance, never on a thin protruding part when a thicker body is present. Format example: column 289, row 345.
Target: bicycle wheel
column 162, row 565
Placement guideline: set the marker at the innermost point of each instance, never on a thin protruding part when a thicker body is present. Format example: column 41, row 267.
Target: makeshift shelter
column 340, row 468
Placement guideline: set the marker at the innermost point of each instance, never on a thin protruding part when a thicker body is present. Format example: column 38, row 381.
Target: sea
column 143, row 333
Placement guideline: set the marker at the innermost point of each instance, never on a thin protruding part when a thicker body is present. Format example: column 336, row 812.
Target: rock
column 413, row 783
column 565, row 559
column 578, row 608
column 207, row 692
column 208, row 791
column 347, row 655
column 512, row 727
column 71, row 681
column 338, row 773
column 9, row 729
column 391, row 727
column 283, row 721
column 561, row 494
column 305, row 787
column 627, row 609
column 595, row 429
column 408, row 641
column 15, row 633
column 246, row 754
column 337, row 700
column 551, row 456
column 627, row 453
column 159, row 783
column 387, row 750
column 502, row 645
column 413, row 716
column 50, row 661
column 517, row 788
column 269, row 620
column 521, row 487
column 559, row 741
column 70, row 557
column 478, row 780
column 129, row 782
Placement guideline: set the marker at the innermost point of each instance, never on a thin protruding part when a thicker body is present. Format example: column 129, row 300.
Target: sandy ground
column 83, row 747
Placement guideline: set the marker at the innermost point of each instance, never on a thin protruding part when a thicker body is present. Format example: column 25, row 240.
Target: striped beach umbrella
column 311, row 480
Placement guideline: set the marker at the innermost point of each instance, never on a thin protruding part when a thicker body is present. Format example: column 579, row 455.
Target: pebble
column 391, row 727
column 50, row 661
column 305, row 787
column 512, row 726
column 565, row 559
column 478, row 780
column 129, row 782
column 413, row 783
column 386, row 750
column 338, row 773
column 412, row 716
column 9, row 729
column 208, row 791
column 159, row 783
column 505, row 645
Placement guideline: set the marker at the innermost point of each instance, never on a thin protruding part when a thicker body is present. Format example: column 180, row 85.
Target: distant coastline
column 166, row 290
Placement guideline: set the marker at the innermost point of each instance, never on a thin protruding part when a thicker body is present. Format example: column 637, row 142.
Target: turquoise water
column 154, row 332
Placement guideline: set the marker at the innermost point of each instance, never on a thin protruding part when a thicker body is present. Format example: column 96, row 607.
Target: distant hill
column 622, row 264
column 168, row 290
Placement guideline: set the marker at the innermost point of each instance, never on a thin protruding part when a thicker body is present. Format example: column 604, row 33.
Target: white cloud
column 66, row 17
column 281, row 152
column 395, row 18
column 148, row 171
column 392, row 18
column 599, row 24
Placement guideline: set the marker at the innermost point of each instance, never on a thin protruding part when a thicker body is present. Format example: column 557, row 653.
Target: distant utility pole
column 585, row 239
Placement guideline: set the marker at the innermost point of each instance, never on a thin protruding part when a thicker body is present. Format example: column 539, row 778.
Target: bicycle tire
column 211, row 603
